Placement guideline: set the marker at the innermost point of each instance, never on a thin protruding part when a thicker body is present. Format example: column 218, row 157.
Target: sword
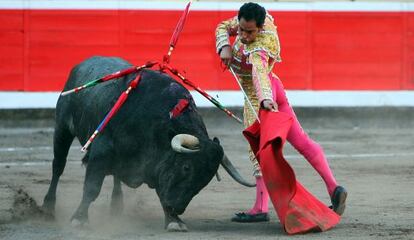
column 244, row 93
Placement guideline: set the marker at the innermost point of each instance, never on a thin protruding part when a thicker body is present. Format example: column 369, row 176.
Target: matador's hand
column 226, row 55
column 269, row 105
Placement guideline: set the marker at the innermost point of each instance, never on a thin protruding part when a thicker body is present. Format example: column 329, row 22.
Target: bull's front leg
column 172, row 222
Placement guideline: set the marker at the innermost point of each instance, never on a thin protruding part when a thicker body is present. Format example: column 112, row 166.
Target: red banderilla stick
column 113, row 111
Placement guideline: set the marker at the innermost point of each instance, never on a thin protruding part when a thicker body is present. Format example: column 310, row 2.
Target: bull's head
column 195, row 162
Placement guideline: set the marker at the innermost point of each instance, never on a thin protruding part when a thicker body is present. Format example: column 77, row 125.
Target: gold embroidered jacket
column 252, row 62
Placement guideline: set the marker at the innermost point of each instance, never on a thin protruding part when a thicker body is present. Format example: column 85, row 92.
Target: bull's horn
column 225, row 162
column 185, row 143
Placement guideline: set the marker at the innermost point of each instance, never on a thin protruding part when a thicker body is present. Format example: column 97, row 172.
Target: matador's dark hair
column 252, row 11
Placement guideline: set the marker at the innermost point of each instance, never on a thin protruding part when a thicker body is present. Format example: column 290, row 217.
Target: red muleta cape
column 298, row 210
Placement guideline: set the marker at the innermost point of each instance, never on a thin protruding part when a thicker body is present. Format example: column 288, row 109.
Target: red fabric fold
column 298, row 210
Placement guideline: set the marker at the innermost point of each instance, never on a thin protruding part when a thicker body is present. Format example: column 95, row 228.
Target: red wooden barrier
column 320, row 50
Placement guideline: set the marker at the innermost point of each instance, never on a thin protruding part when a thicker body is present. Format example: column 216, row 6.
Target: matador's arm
column 224, row 30
column 260, row 75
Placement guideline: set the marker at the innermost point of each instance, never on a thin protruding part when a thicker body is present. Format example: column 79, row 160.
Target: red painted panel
column 11, row 50
column 293, row 30
column 366, row 56
column 11, row 73
column 72, row 36
column 11, row 38
column 357, row 22
column 11, row 20
column 409, row 81
column 50, row 66
column 74, row 20
column 355, row 76
column 320, row 50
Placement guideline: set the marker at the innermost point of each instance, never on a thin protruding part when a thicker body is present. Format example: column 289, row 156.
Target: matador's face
column 247, row 31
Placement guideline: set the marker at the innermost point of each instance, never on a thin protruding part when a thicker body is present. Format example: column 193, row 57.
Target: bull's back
column 83, row 111
column 93, row 68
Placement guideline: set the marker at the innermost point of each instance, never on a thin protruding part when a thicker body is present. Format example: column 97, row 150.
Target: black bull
column 141, row 143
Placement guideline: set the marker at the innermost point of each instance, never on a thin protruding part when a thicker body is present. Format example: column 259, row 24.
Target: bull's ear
column 216, row 140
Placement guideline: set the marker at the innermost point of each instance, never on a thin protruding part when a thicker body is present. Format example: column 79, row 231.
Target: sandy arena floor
column 374, row 161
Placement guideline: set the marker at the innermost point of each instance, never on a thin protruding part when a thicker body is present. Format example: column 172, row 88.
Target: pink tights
column 262, row 198
column 302, row 143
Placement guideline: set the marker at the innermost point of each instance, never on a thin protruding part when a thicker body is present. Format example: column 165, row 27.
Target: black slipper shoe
column 338, row 200
column 246, row 217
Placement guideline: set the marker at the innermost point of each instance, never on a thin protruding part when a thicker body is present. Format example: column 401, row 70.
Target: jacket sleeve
column 260, row 75
column 224, row 30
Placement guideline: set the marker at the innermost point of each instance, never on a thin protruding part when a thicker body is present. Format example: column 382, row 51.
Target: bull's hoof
column 48, row 208
column 47, row 213
column 177, row 227
column 76, row 223
column 48, row 216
